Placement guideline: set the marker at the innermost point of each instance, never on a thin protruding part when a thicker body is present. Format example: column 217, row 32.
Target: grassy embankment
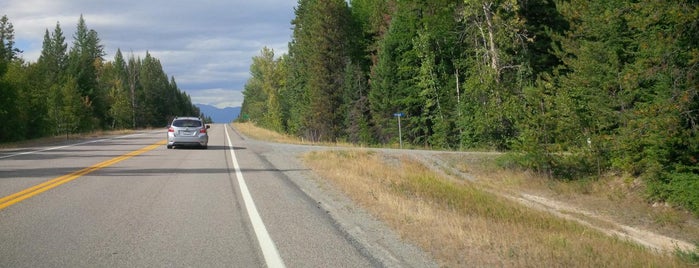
column 460, row 223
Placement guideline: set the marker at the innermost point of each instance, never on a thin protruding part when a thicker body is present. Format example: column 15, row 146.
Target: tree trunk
column 492, row 48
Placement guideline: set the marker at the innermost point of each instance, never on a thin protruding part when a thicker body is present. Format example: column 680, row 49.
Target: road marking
column 66, row 146
column 269, row 250
column 53, row 183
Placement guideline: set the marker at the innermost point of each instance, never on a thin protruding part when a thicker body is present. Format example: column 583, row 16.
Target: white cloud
column 206, row 45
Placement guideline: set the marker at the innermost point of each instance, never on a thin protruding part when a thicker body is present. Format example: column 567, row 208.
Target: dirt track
column 439, row 161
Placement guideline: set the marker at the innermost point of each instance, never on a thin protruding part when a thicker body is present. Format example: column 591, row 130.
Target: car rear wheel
column 169, row 146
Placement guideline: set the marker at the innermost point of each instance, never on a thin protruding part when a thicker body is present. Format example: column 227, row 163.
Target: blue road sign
column 398, row 114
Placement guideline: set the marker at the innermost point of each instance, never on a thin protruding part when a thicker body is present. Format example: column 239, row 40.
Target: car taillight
column 202, row 130
column 170, row 129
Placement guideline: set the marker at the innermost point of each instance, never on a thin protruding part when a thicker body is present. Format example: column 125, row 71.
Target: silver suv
column 187, row 131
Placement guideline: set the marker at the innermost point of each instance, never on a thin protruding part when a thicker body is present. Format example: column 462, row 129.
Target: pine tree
column 295, row 97
column 133, row 81
column 84, row 60
column 8, row 51
column 356, row 106
column 318, row 55
column 53, row 58
column 50, row 71
column 658, row 129
column 392, row 88
column 9, row 92
column 153, row 84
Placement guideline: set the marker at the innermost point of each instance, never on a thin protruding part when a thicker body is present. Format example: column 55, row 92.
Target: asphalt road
column 128, row 201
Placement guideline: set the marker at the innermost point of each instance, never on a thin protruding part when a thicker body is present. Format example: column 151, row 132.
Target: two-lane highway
column 130, row 202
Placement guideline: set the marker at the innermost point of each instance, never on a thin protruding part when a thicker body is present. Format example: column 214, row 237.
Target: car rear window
column 186, row 123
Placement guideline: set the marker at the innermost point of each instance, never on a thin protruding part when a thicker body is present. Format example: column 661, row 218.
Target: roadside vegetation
column 461, row 225
column 574, row 89
column 469, row 223
column 73, row 89
column 591, row 101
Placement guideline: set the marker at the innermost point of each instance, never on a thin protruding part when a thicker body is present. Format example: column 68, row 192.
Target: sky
column 207, row 45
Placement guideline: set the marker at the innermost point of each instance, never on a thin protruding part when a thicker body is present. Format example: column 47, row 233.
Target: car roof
column 187, row 118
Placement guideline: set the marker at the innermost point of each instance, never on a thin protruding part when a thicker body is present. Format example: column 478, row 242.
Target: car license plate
column 186, row 133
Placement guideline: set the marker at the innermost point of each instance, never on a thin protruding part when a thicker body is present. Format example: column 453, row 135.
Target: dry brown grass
column 462, row 225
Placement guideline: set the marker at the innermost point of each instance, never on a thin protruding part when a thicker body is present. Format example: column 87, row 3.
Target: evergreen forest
column 573, row 89
column 75, row 90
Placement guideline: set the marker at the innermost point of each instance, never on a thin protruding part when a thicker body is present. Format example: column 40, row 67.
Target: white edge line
column 269, row 250
column 66, row 146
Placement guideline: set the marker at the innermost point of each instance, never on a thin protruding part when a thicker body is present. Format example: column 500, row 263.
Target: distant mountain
column 218, row 115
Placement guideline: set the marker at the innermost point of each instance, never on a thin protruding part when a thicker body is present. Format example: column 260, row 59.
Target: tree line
column 573, row 88
column 74, row 90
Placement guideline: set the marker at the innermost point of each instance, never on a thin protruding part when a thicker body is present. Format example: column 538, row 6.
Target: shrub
column 567, row 166
column 683, row 190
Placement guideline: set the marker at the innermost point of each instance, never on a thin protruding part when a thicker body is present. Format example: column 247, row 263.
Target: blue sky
column 206, row 45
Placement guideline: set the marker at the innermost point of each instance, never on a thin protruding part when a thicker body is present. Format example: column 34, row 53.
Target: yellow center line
column 53, row 183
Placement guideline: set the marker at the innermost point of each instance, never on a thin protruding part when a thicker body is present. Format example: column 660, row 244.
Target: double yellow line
column 53, row 183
